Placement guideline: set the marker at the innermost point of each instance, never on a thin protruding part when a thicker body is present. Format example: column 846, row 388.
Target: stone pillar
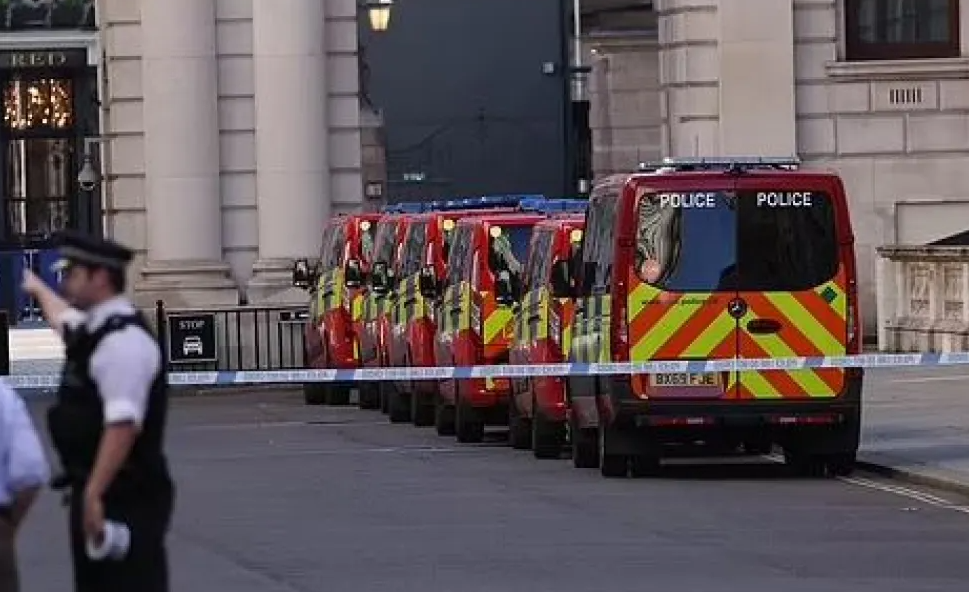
column 710, row 52
column 292, row 156
column 184, row 265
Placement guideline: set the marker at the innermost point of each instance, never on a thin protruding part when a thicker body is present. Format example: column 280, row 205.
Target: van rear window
column 509, row 251
column 723, row 241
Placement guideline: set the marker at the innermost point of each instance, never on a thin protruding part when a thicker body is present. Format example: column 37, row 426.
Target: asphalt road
column 275, row 496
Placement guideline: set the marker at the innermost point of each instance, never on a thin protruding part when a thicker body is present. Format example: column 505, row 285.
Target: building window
column 38, row 103
column 901, row 29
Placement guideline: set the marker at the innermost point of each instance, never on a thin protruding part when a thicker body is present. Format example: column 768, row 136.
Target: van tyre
column 384, row 394
column 840, row 465
column 398, row 407
column 313, row 394
column 611, row 465
column 369, row 395
column 467, row 427
column 519, row 428
column 644, row 465
column 422, row 414
column 805, row 465
column 337, row 395
column 443, row 418
column 585, row 448
column 548, row 437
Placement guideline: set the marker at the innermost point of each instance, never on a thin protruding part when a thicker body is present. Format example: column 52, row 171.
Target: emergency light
column 461, row 203
column 549, row 206
column 733, row 163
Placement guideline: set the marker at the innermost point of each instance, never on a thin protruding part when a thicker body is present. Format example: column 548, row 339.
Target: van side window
column 598, row 252
column 325, row 242
column 539, row 259
column 337, row 245
column 458, row 257
column 386, row 241
column 414, row 250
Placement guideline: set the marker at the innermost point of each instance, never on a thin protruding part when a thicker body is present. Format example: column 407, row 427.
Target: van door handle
column 533, row 318
column 763, row 326
column 455, row 309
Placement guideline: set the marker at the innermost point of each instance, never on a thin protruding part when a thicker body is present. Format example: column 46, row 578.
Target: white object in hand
column 115, row 542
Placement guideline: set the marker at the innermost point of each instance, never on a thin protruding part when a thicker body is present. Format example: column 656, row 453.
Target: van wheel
column 805, row 465
column 384, row 394
column 369, row 395
column 337, row 394
column 585, row 449
column 421, row 413
column 841, row 465
column 398, row 405
column 547, row 436
column 313, row 394
column 644, row 465
column 611, row 465
column 468, row 428
column 443, row 418
column 519, row 428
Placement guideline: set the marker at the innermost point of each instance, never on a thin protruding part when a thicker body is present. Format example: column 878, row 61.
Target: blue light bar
column 550, row 206
column 462, row 203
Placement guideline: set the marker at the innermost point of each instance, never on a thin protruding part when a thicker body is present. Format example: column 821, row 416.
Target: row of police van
column 690, row 259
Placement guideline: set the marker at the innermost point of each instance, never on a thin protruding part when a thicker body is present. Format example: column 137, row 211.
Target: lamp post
column 378, row 12
column 372, row 136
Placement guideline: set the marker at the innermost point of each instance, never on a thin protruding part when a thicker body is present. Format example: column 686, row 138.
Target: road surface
column 278, row 497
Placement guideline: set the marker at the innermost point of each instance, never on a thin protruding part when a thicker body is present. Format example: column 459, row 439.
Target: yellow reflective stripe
column 805, row 322
column 496, row 322
column 656, row 336
column 542, row 305
column 760, row 386
column 712, row 336
column 357, row 312
column 776, row 347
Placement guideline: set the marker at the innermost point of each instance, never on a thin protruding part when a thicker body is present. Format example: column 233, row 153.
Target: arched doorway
column 49, row 107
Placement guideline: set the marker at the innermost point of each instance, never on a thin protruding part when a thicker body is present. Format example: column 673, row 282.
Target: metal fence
column 232, row 338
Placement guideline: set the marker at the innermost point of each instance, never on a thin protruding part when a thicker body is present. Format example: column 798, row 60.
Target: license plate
column 681, row 379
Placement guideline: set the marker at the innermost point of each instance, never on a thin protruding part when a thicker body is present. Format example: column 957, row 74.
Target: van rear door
column 792, row 287
column 681, row 285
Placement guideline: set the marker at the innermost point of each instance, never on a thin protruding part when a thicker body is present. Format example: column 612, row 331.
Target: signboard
column 54, row 58
column 191, row 338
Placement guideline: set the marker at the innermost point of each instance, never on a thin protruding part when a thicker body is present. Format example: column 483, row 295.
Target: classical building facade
column 223, row 132
column 877, row 90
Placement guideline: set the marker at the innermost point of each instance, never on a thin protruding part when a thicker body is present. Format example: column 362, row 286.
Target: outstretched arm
column 55, row 309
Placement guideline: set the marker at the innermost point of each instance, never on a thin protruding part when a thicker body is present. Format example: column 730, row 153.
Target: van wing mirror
column 561, row 280
column 428, row 282
column 504, row 291
column 380, row 277
column 353, row 273
column 302, row 274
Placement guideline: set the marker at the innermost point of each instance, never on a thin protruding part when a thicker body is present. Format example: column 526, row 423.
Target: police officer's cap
column 81, row 249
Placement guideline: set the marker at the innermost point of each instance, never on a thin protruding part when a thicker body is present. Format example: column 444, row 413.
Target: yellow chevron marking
column 805, row 322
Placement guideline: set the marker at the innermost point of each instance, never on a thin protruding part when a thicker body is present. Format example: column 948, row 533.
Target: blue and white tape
column 244, row 377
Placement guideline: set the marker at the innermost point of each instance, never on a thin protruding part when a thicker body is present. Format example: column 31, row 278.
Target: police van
column 707, row 259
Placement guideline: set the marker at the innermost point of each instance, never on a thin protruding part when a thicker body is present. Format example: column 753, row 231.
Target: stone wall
column 122, row 34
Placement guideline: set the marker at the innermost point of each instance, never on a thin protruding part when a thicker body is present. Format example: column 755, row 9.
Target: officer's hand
column 31, row 283
column 93, row 518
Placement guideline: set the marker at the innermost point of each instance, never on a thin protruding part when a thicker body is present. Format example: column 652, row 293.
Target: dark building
column 474, row 95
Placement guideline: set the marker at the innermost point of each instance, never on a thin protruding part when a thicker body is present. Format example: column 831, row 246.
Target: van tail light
column 852, row 312
column 620, row 326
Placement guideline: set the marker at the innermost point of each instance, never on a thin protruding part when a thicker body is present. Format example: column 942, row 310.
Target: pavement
column 916, row 425
column 275, row 496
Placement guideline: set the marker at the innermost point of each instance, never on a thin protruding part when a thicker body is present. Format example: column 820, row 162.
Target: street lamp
column 379, row 13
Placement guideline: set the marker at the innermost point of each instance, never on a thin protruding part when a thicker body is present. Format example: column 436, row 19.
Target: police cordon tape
column 248, row 377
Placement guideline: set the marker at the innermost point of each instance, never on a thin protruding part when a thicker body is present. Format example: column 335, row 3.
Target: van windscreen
column 508, row 251
column 721, row 241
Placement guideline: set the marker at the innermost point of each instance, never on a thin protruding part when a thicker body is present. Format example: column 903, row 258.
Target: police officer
column 108, row 422
column 23, row 471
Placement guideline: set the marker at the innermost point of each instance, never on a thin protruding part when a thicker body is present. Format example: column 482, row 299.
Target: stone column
column 710, row 52
column 292, row 156
column 184, row 265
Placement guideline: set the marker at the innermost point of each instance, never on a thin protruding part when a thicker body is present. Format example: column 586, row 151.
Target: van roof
column 511, row 218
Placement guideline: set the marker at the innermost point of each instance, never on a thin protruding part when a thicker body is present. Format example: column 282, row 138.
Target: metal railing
column 232, row 338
